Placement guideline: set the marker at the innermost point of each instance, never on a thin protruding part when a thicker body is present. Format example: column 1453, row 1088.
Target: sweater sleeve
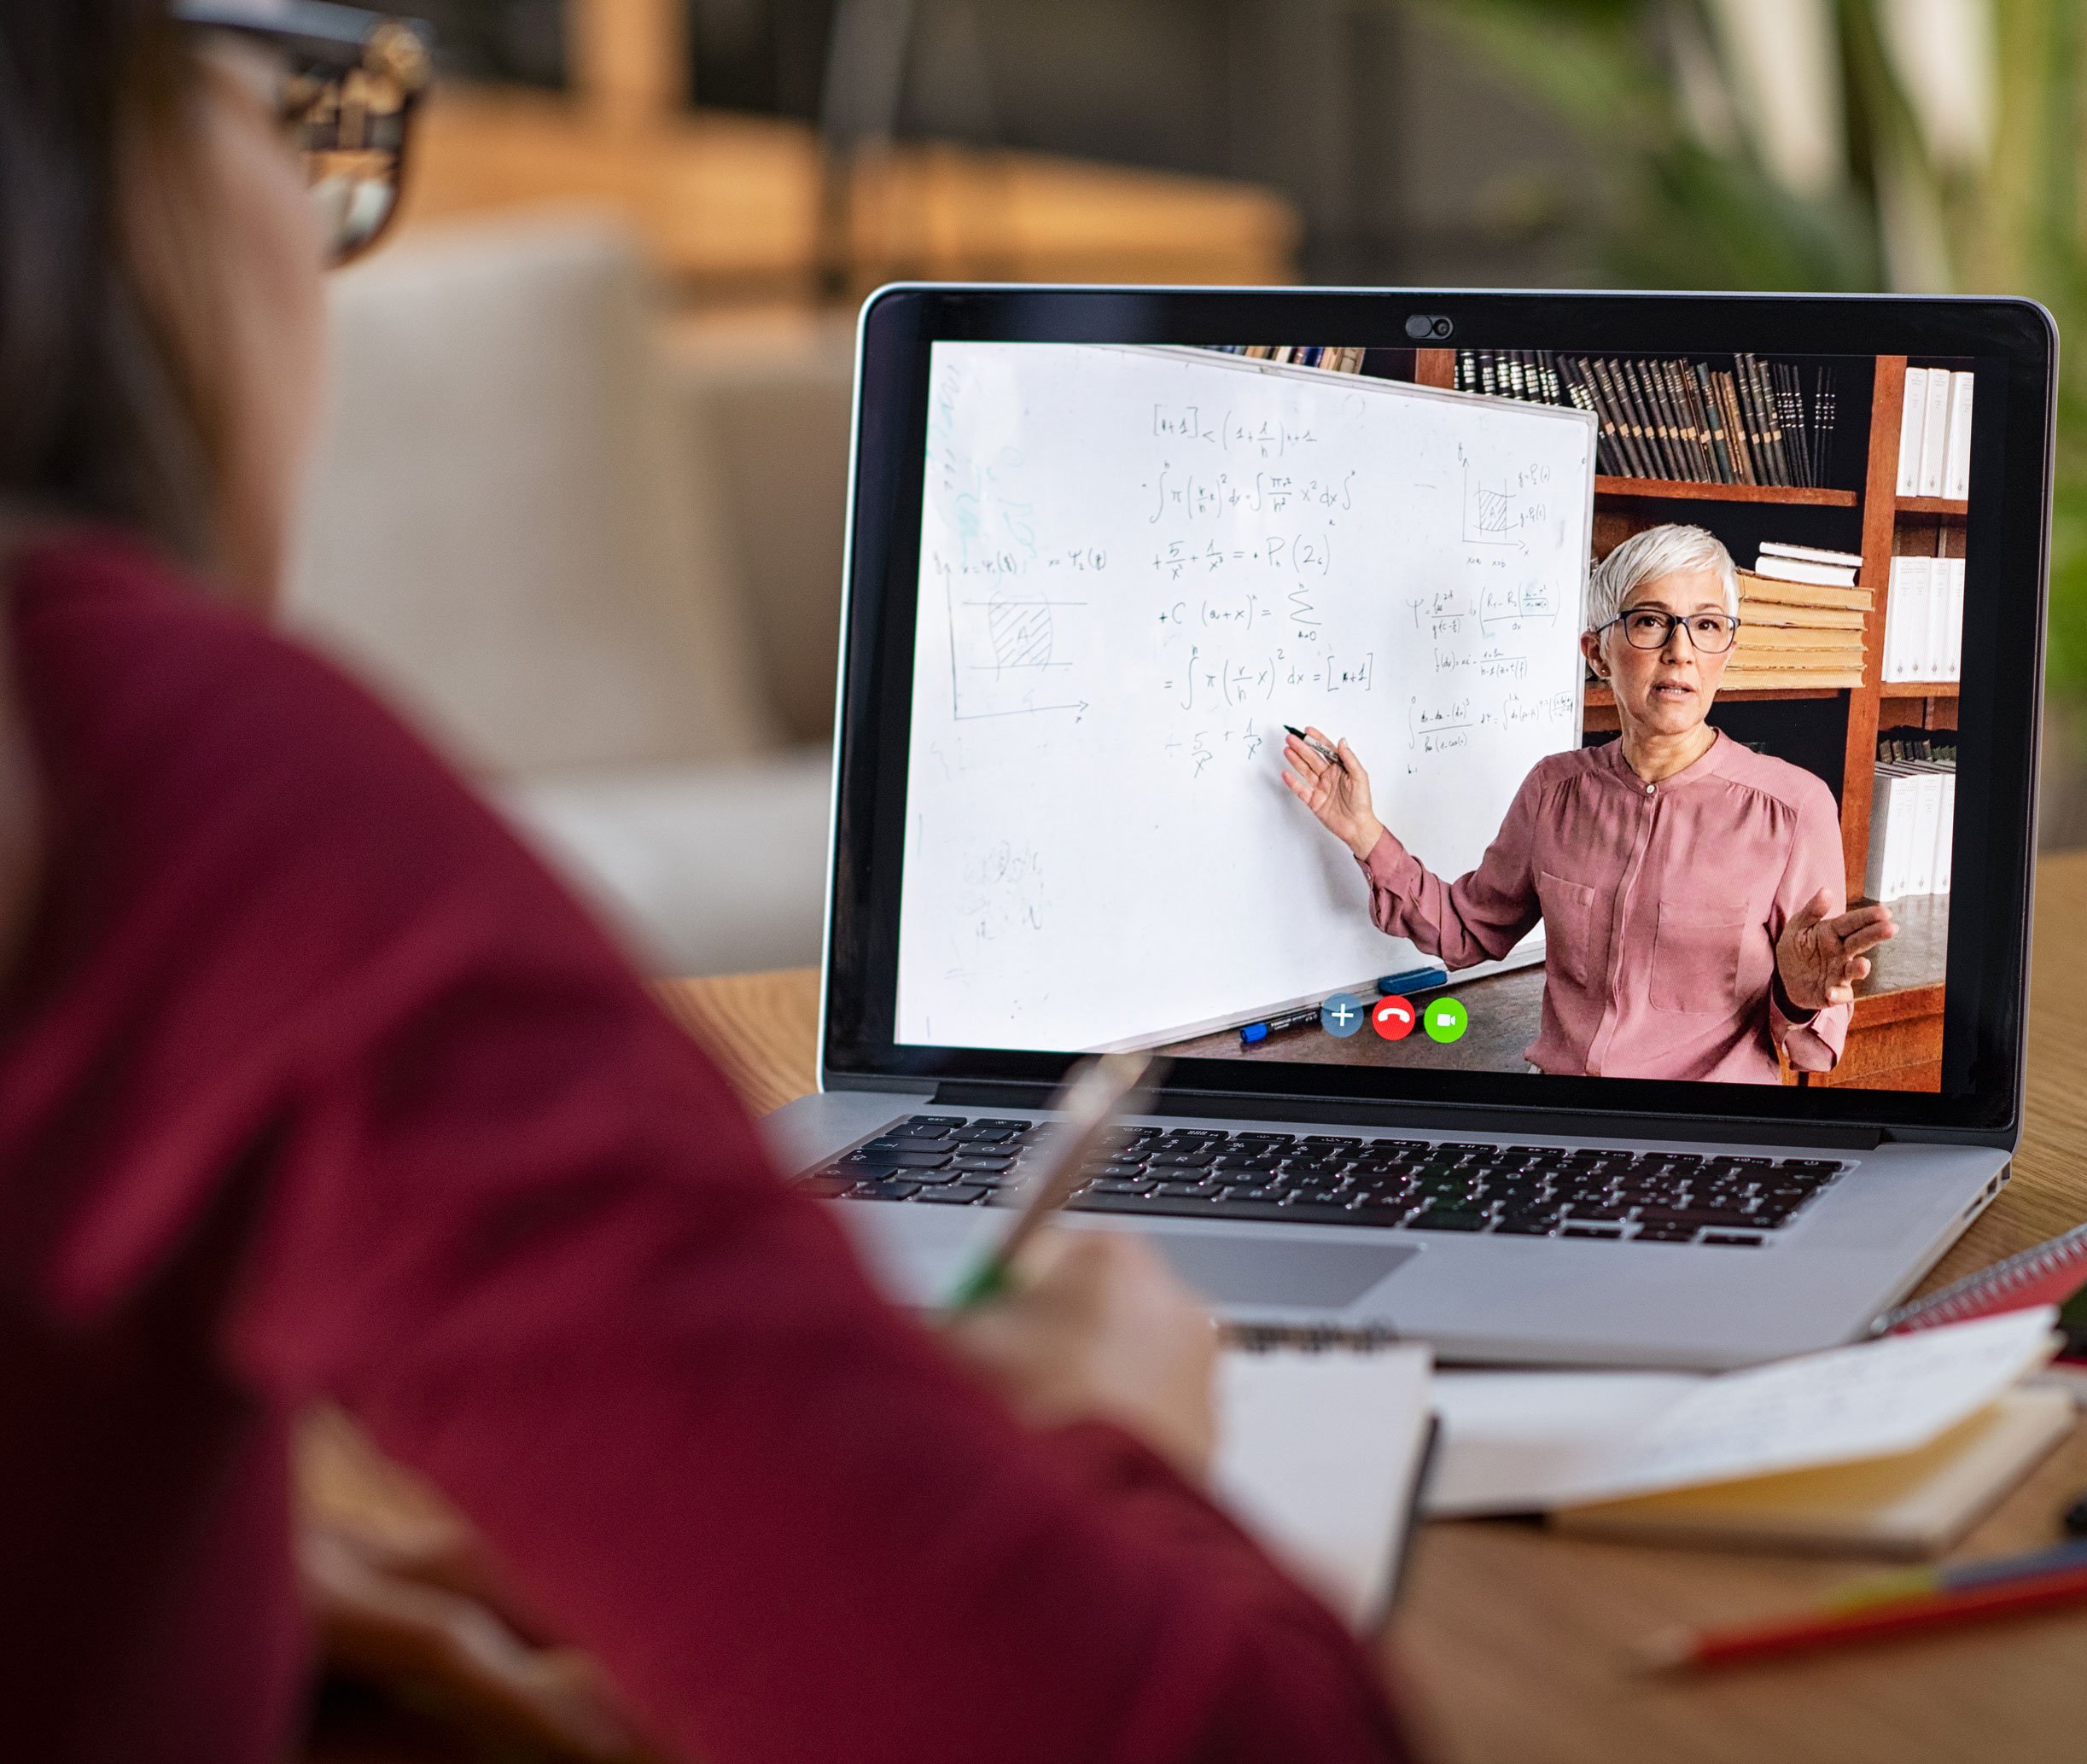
column 527, row 1237
column 1480, row 916
column 509, row 1214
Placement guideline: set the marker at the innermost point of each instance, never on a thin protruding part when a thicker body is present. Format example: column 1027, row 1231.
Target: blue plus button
column 1342, row 1015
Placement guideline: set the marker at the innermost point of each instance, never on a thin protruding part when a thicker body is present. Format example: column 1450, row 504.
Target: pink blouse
column 1661, row 906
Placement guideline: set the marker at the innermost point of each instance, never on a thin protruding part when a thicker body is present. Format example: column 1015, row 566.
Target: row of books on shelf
column 1755, row 422
column 1912, row 816
column 1924, row 620
column 1801, row 620
column 1333, row 360
column 1934, row 434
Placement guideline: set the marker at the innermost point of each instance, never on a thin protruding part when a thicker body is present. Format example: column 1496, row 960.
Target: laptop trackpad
column 1229, row 1270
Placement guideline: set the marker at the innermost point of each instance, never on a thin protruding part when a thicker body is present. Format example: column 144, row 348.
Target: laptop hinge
column 972, row 1093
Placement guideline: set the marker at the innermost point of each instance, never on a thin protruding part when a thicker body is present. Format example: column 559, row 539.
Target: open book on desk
column 1894, row 1445
column 1321, row 1451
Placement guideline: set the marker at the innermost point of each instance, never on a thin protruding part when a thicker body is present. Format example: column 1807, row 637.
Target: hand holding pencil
column 1084, row 1325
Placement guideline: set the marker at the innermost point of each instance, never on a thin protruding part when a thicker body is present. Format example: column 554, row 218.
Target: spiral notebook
column 1323, row 1445
column 2049, row 1274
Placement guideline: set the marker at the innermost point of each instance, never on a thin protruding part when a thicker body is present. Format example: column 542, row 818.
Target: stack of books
column 1924, row 620
column 1686, row 421
column 1912, row 815
column 1801, row 620
column 1934, row 434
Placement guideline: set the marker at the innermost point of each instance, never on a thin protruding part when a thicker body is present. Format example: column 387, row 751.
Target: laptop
column 1524, row 1004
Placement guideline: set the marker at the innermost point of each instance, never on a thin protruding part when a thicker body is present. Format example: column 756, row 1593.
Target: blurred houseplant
column 1917, row 145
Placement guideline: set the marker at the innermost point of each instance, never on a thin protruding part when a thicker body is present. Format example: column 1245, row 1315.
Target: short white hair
column 1645, row 556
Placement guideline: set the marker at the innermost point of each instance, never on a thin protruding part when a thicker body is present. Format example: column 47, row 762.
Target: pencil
column 1097, row 1092
column 1812, row 1631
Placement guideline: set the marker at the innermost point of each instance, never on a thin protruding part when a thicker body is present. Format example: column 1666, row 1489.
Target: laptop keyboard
column 1322, row 1178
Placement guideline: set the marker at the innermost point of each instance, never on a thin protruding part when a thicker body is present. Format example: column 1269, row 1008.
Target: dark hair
column 101, row 418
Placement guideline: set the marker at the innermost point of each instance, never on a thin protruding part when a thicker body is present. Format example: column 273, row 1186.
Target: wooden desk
column 1510, row 1647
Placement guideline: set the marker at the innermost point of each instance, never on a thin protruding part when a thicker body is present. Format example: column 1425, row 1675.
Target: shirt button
column 1648, row 789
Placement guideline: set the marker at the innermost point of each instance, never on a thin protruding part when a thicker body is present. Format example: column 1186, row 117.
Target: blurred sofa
column 597, row 558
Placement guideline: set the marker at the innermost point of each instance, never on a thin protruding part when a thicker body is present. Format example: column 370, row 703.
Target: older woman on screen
column 1690, row 890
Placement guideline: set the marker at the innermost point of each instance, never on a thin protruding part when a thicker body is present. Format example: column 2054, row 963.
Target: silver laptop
column 1468, row 737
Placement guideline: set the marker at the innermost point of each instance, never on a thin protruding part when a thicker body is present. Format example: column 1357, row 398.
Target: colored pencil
column 1098, row 1090
column 1812, row 1631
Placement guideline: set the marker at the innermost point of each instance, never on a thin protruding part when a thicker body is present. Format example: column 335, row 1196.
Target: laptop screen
column 1450, row 710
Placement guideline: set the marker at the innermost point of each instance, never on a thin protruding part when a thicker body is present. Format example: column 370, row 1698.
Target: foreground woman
column 1690, row 890
column 311, row 1082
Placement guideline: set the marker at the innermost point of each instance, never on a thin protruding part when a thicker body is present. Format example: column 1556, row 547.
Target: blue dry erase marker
column 1254, row 1033
column 1414, row 980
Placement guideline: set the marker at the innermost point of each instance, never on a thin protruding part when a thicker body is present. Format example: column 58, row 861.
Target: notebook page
column 1318, row 1452
column 1839, row 1406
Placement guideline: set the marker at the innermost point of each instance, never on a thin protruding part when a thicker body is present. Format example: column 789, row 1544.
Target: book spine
column 1829, row 405
column 1912, row 425
column 1771, row 424
column 1736, row 426
column 1935, row 433
column 1655, row 420
column 1894, row 632
column 1945, row 835
column 1684, row 418
column 1953, row 628
column 1874, row 879
column 1721, row 452
column 1627, row 437
column 1580, row 396
column 1957, row 458
column 1790, row 397
column 1643, row 441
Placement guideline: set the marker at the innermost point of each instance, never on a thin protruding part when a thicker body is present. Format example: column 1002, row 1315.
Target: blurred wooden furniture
column 733, row 204
column 1511, row 1642
column 600, row 557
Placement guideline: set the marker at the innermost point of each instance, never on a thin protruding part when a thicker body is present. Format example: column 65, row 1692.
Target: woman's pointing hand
column 1337, row 791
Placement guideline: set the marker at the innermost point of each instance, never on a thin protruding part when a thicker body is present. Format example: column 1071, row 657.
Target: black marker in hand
column 1318, row 747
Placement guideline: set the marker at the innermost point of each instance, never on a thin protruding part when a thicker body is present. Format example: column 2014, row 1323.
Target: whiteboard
column 1137, row 564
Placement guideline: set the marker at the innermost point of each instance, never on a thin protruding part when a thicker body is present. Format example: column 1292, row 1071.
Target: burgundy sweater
column 312, row 1081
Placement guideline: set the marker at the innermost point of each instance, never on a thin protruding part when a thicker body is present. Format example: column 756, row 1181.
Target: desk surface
column 1511, row 1639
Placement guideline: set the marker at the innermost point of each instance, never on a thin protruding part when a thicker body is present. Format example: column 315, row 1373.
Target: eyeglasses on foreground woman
column 350, row 82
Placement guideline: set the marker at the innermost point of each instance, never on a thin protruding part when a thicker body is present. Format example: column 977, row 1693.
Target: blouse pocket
column 1696, row 957
column 1570, row 927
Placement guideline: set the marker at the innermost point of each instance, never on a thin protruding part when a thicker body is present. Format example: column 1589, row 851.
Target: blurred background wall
column 581, row 500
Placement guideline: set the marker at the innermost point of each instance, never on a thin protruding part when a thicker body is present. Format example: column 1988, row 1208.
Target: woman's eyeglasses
column 1646, row 628
column 350, row 82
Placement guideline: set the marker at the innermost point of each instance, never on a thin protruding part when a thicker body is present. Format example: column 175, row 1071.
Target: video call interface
column 1455, row 709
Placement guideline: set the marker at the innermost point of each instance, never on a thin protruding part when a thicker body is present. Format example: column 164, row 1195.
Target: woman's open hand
column 1819, row 959
column 1337, row 791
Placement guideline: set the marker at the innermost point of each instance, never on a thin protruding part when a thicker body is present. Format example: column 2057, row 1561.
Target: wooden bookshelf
column 1895, row 1040
column 1678, row 490
column 1601, row 698
column 1889, row 523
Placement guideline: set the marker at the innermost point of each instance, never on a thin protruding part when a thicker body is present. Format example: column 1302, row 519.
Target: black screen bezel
column 2014, row 344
